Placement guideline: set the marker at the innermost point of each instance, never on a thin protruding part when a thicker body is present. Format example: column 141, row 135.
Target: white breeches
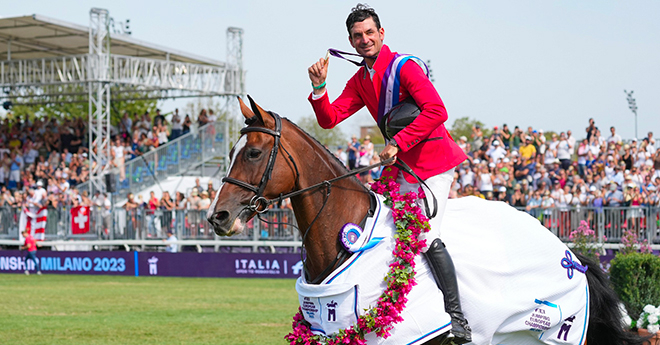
column 440, row 185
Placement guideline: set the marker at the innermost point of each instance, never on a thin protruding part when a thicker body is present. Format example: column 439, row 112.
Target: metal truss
column 98, row 73
column 123, row 70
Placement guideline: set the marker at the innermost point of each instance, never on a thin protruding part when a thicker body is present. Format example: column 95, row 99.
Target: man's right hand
column 317, row 74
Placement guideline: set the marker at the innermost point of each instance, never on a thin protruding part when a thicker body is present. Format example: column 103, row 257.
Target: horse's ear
column 267, row 119
column 247, row 112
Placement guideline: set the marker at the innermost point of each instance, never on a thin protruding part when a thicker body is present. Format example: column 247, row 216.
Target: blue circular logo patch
column 350, row 234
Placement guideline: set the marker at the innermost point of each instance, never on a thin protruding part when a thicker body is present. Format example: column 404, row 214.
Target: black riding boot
column 443, row 270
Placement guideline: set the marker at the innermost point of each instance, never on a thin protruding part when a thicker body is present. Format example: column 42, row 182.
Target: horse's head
column 254, row 160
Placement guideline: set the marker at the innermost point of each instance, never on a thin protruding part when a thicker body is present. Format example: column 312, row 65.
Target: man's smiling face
column 366, row 38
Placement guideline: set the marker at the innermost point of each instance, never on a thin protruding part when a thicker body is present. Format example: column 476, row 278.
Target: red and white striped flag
column 34, row 223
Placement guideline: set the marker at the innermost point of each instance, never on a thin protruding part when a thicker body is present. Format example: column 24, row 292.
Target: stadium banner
column 245, row 265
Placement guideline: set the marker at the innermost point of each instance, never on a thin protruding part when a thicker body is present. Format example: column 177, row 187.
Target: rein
column 259, row 204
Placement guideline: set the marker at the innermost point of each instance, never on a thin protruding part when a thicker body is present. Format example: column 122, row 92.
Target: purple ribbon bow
column 571, row 265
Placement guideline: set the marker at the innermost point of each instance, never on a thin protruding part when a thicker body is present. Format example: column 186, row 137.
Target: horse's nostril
column 221, row 216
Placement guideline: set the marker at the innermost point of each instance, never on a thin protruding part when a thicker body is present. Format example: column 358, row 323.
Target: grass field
column 77, row 309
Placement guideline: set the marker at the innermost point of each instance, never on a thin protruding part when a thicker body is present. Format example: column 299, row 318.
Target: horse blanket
column 519, row 283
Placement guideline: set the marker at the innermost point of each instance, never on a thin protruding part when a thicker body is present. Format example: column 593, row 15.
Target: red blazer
column 425, row 145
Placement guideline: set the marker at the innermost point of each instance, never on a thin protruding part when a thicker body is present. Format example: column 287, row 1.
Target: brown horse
column 304, row 163
column 275, row 159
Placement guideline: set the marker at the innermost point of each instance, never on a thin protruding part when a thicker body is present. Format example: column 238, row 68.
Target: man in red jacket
column 425, row 145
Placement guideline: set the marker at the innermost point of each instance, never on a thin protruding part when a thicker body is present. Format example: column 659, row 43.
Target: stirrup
column 460, row 332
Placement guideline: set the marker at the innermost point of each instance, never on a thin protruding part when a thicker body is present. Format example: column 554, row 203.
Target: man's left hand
column 388, row 152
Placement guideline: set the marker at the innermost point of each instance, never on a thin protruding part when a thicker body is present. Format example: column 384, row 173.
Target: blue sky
column 550, row 64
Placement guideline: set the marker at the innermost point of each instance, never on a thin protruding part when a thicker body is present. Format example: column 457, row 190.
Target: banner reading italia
column 80, row 223
column 248, row 265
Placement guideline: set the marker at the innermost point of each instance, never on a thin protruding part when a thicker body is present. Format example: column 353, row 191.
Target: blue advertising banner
column 248, row 265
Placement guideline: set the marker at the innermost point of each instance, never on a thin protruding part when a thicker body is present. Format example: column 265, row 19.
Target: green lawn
column 76, row 309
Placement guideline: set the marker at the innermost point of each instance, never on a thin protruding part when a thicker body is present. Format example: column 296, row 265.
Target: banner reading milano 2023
column 157, row 264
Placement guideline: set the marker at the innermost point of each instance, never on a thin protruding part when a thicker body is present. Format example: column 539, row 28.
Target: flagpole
column 632, row 105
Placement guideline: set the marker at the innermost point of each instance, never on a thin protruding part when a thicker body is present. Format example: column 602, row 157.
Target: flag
column 39, row 224
column 35, row 223
column 80, row 220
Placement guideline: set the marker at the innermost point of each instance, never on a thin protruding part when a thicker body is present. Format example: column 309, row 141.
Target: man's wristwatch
column 393, row 143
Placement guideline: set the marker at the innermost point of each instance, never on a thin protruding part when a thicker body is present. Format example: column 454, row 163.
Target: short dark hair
column 360, row 13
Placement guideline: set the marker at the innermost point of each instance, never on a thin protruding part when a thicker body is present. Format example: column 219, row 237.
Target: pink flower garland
column 410, row 222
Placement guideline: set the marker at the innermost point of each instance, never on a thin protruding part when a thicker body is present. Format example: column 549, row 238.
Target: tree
column 77, row 105
column 463, row 127
column 328, row 137
column 376, row 135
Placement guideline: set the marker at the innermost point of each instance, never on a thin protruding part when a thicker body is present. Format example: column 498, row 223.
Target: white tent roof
column 36, row 36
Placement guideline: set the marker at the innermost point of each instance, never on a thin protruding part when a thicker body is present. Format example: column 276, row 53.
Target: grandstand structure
column 47, row 61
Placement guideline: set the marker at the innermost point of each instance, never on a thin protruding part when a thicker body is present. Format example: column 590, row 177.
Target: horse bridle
column 259, row 203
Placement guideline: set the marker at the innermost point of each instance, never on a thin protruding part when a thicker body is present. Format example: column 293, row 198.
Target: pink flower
column 410, row 223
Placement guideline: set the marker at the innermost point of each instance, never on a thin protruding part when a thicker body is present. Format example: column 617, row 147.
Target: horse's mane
column 337, row 163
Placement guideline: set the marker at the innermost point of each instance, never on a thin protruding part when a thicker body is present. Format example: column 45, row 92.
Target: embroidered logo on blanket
column 565, row 328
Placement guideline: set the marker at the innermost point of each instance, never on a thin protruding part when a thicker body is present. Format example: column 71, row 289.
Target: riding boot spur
column 444, row 273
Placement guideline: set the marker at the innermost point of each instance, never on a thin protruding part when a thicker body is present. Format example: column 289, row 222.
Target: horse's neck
column 348, row 202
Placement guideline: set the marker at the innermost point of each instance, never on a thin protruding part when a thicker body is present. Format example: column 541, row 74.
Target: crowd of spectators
column 534, row 170
column 55, row 152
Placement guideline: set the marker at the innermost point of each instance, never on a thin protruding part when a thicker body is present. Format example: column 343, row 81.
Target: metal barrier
column 280, row 225
column 610, row 222
column 143, row 224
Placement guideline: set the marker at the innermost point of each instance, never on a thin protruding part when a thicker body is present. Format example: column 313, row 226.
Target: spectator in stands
column 477, row 136
column 166, row 205
column 211, row 117
column 159, row 119
column 464, row 145
column 564, row 151
column 130, row 204
column 496, row 152
column 125, row 125
column 177, row 126
column 204, row 202
column 528, row 151
column 144, row 124
column 506, row 136
column 353, row 150
column 117, row 156
column 162, row 134
column 186, row 124
column 152, row 206
column 193, row 200
column 341, row 155
column 613, row 138
column 181, row 201
column 202, row 119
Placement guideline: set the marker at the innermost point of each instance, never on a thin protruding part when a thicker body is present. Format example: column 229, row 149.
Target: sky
column 547, row 64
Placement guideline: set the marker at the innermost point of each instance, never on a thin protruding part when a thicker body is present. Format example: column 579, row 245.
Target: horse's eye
column 253, row 153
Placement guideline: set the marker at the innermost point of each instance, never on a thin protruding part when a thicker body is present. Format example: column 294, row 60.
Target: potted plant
column 648, row 324
column 634, row 274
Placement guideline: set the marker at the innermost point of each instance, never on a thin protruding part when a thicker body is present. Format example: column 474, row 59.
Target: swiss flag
column 80, row 220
